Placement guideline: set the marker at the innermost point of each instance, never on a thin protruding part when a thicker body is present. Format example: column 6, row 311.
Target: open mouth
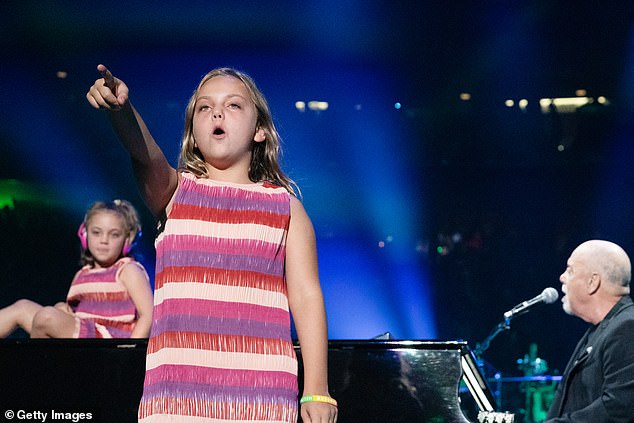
column 219, row 131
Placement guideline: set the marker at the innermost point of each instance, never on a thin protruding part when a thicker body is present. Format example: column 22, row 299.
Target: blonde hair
column 265, row 156
column 129, row 215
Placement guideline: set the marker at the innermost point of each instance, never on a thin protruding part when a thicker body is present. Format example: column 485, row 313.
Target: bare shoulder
column 133, row 270
column 299, row 216
column 296, row 205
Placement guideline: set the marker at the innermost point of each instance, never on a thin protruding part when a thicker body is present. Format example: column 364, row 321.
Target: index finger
column 107, row 77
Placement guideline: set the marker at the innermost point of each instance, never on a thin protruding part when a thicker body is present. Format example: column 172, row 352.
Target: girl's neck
column 231, row 175
column 96, row 265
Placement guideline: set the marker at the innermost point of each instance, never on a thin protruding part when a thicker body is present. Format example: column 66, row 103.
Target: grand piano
column 408, row 381
column 373, row 381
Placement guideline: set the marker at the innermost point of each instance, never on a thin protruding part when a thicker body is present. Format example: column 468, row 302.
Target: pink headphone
column 83, row 238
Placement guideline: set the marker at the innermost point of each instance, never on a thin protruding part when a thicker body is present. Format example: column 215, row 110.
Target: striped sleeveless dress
column 103, row 308
column 220, row 348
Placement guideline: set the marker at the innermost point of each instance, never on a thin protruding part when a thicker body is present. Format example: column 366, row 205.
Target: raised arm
column 157, row 179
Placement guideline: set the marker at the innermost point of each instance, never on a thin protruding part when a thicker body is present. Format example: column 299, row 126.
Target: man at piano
column 598, row 383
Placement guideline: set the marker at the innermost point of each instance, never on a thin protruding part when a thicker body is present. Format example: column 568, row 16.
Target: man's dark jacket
column 598, row 383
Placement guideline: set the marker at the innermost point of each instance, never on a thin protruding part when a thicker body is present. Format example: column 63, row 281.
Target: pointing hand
column 107, row 92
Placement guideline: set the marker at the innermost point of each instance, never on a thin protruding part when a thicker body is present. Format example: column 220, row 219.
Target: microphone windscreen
column 550, row 295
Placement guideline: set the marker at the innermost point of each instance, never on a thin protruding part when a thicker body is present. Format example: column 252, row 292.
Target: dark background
column 433, row 216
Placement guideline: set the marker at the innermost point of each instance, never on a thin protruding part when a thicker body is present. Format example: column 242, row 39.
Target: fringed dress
column 220, row 348
column 101, row 302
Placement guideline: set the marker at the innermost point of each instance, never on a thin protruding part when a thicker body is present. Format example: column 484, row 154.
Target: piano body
column 406, row 381
column 374, row 381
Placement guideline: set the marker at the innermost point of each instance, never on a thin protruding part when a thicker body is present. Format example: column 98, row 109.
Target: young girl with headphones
column 109, row 297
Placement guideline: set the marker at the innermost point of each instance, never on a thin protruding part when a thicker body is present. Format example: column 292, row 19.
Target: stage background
column 436, row 205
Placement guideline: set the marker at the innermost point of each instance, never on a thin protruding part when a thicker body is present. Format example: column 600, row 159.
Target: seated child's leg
column 51, row 322
column 20, row 314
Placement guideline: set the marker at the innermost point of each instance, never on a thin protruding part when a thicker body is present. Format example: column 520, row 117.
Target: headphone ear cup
column 127, row 246
column 81, row 233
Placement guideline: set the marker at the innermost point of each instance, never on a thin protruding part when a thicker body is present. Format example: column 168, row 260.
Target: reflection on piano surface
column 403, row 381
column 373, row 381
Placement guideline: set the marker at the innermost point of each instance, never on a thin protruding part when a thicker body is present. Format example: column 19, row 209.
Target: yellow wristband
column 318, row 398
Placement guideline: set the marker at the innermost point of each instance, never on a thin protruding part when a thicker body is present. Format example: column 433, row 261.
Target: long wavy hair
column 265, row 155
column 131, row 221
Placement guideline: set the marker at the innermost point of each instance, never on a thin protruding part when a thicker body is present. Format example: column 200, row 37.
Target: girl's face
column 106, row 235
column 224, row 126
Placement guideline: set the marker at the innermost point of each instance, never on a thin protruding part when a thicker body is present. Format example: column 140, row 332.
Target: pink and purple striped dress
column 220, row 348
column 103, row 308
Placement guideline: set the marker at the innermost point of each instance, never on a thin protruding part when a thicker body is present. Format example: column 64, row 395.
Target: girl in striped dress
column 109, row 297
column 236, row 256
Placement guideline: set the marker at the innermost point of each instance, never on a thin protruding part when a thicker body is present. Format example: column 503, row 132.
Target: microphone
column 548, row 296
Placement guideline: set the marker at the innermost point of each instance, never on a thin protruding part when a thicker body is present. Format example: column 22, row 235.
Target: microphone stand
column 547, row 296
column 484, row 345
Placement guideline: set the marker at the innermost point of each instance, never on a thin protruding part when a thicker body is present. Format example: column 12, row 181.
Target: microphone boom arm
column 484, row 345
column 548, row 296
